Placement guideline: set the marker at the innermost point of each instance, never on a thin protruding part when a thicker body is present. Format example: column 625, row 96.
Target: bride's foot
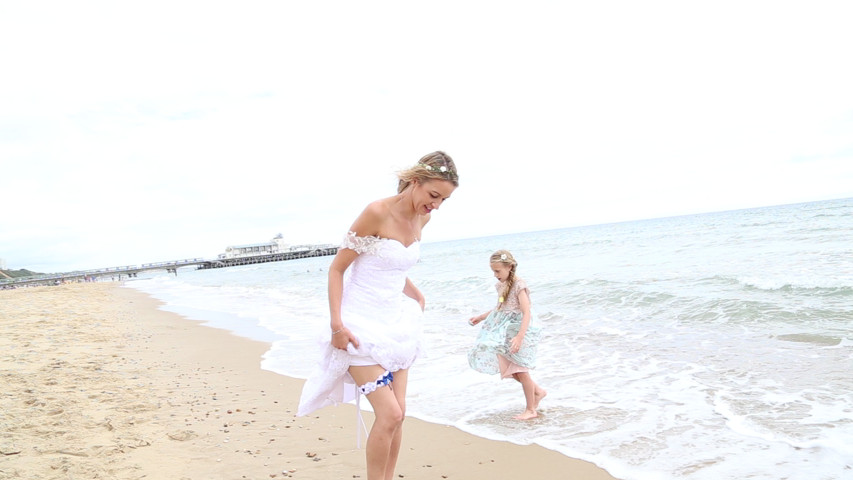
column 538, row 395
column 527, row 415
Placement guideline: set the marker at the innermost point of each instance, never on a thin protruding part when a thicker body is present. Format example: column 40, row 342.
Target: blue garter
column 381, row 381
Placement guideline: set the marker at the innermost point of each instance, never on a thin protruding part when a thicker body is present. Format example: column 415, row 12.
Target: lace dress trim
column 361, row 245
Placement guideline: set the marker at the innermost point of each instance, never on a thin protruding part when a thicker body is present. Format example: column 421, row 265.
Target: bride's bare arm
column 412, row 291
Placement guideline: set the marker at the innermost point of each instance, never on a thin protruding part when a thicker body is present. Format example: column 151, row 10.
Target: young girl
column 507, row 341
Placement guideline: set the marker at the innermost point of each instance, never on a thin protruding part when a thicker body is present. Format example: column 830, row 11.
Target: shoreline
column 101, row 383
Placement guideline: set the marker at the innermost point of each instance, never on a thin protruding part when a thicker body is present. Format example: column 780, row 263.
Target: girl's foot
column 538, row 395
column 527, row 415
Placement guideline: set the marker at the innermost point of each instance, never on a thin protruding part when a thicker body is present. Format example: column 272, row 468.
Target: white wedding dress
column 386, row 322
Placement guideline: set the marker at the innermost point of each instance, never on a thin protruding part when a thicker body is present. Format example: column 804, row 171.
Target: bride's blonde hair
column 433, row 166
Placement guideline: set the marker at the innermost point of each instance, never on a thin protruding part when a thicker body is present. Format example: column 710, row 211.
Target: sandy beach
column 100, row 384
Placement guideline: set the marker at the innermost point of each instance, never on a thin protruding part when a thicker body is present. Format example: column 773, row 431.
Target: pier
column 131, row 271
column 272, row 257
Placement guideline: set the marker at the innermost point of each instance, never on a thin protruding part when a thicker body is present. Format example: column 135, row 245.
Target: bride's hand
column 342, row 338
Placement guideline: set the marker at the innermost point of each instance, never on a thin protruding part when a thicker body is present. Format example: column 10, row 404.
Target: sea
column 702, row 347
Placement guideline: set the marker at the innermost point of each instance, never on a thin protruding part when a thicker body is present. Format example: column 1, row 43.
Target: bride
column 376, row 310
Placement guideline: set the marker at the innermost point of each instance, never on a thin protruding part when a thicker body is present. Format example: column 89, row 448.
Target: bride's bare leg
column 383, row 443
column 401, row 379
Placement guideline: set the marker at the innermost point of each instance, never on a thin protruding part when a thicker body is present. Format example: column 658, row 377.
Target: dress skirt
column 491, row 352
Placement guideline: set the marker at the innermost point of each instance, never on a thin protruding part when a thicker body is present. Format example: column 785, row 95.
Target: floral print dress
column 491, row 352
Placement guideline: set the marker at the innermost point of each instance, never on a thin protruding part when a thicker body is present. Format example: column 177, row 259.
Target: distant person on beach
column 376, row 310
column 508, row 339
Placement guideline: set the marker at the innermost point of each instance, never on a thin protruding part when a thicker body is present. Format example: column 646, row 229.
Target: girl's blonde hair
column 433, row 166
column 506, row 258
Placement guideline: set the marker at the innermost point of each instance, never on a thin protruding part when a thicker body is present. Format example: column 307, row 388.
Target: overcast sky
column 168, row 130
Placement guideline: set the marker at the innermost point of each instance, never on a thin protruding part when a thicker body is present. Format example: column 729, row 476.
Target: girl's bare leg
column 383, row 443
column 533, row 394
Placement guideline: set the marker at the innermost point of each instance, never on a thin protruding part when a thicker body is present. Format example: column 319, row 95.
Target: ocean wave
column 813, row 284
column 821, row 340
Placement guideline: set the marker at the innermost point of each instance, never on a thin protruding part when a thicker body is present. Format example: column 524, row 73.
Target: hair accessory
column 501, row 299
column 503, row 256
column 442, row 170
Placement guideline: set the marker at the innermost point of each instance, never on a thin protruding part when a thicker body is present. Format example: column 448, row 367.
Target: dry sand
column 100, row 384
